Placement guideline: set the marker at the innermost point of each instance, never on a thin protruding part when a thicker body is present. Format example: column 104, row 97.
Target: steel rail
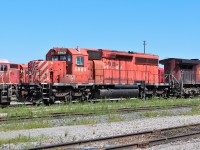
column 113, row 138
column 56, row 115
column 156, row 142
column 64, row 114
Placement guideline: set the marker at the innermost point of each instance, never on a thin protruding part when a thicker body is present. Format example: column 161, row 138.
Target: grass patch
column 151, row 114
column 157, row 114
column 194, row 111
column 114, row 118
column 17, row 140
column 82, row 121
column 99, row 108
column 25, row 125
column 22, row 139
column 92, row 120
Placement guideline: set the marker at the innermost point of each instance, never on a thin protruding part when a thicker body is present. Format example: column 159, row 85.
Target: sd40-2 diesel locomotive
column 84, row 73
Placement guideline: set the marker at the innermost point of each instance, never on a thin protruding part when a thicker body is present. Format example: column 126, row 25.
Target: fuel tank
column 126, row 86
column 117, row 93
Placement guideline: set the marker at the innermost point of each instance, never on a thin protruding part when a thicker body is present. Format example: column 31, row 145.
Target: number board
column 61, row 52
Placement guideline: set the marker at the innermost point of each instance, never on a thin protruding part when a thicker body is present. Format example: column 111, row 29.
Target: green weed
column 21, row 139
column 26, row 125
column 82, row 121
column 114, row 118
column 97, row 108
column 150, row 114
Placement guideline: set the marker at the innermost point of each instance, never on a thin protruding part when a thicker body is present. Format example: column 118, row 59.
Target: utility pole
column 145, row 72
column 144, row 43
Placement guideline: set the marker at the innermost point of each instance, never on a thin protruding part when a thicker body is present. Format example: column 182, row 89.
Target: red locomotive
column 94, row 66
column 10, row 76
column 12, row 73
column 9, row 72
column 71, row 73
column 85, row 73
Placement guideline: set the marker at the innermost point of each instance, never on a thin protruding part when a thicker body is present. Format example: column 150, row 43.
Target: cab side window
column 3, row 67
column 80, row 61
column 69, row 57
column 48, row 58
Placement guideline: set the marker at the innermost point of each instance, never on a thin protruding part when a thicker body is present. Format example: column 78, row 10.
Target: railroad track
column 143, row 108
column 133, row 140
column 71, row 114
column 26, row 103
column 52, row 115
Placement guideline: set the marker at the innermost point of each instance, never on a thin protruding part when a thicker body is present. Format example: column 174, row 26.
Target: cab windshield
column 54, row 57
column 63, row 57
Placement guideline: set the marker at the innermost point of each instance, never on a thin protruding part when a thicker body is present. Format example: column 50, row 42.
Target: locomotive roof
column 4, row 61
column 74, row 51
column 180, row 61
column 78, row 51
column 83, row 51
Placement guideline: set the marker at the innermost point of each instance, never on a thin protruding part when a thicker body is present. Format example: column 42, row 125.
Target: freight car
column 183, row 76
column 85, row 73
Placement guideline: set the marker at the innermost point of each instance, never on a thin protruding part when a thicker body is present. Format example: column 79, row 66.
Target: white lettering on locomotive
column 61, row 53
column 80, row 69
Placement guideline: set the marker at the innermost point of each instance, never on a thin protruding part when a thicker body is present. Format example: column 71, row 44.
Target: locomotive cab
column 61, row 54
column 76, row 62
column 9, row 72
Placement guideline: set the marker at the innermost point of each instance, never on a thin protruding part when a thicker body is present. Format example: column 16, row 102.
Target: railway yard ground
column 27, row 127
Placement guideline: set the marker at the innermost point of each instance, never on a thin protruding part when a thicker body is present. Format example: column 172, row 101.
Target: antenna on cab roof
column 78, row 49
column 144, row 43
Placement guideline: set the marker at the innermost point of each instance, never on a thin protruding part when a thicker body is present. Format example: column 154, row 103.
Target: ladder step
column 4, row 96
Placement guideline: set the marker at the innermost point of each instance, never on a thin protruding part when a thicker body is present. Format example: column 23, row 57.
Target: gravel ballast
column 192, row 144
column 81, row 132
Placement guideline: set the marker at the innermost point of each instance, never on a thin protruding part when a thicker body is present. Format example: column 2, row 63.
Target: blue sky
column 28, row 29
